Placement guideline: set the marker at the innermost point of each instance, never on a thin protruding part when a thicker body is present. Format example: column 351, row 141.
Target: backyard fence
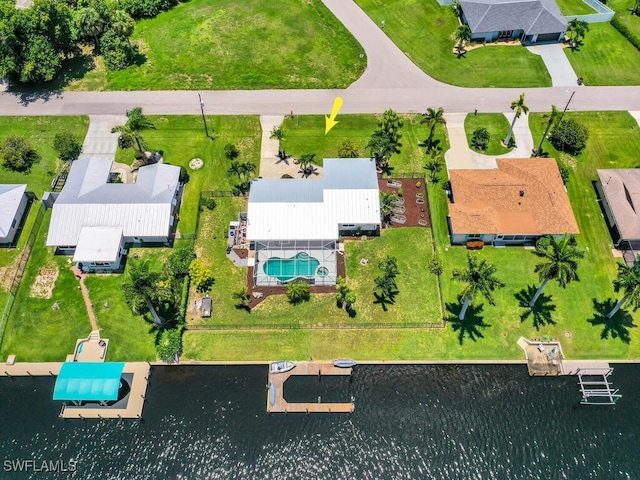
column 298, row 326
column 220, row 193
column 419, row 175
column 605, row 14
column 20, row 268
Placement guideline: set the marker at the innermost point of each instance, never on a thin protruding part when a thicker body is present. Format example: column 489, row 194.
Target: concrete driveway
column 100, row 142
column 557, row 63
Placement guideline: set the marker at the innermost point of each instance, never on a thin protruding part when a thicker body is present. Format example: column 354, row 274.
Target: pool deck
column 277, row 381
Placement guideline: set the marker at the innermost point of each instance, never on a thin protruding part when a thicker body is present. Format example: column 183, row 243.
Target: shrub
column 435, row 265
column 626, row 33
column 117, row 52
column 231, row 152
column 146, row 8
column 17, row 155
column 569, row 136
column 201, row 276
column 169, row 344
column 67, row 146
column 347, row 150
column 480, row 139
column 208, row 203
column 400, row 192
column 298, row 292
column 180, row 260
column 564, row 172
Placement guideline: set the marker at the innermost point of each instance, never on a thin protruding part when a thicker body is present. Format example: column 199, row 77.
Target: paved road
column 391, row 81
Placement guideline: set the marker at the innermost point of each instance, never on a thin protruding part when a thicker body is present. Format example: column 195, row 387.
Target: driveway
column 458, row 157
column 557, row 63
column 100, row 142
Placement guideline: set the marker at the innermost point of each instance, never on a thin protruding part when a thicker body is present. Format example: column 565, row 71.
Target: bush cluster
column 148, row 8
column 569, row 136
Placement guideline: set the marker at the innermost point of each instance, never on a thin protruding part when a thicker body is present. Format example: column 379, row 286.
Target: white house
column 93, row 219
column 13, row 204
column 295, row 225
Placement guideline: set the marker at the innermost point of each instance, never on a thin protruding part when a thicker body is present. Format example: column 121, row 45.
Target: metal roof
column 142, row 209
column 10, row 198
column 312, row 209
column 532, row 16
column 86, row 381
column 621, row 187
column 98, row 244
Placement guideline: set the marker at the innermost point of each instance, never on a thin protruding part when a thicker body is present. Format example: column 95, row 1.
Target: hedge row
column 626, row 32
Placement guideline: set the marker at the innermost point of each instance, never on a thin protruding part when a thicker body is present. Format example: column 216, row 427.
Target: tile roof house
column 93, row 218
column 619, row 192
column 532, row 21
column 13, row 204
column 516, row 203
column 287, row 218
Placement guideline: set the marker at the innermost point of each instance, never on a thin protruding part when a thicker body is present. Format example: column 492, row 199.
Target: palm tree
column 552, row 118
column 578, row 30
column 347, row 150
column 306, row 162
column 381, row 148
column 122, row 24
column 242, row 295
column 480, row 139
column 90, row 23
column 143, row 288
column 559, row 262
column 520, row 107
column 627, row 281
column 457, row 8
column 434, row 166
column 462, row 35
column 277, row 132
column 387, row 200
column 433, row 118
column 130, row 131
column 636, row 8
column 479, row 278
column 391, row 123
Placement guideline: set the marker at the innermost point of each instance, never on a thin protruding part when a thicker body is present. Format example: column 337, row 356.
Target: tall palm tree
column 122, row 24
column 559, row 262
column 479, row 279
column 433, row 118
column 627, row 281
column 130, row 131
column 552, row 118
column 462, row 35
column 578, row 30
column 242, row 296
column 387, row 200
column 144, row 288
column 381, row 148
column 90, row 24
column 520, row 107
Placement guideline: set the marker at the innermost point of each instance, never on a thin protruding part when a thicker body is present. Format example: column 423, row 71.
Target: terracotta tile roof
column 621, row 187
column 520, row 197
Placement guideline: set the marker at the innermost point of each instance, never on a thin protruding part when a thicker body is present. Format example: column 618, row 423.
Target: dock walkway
column 275, row 392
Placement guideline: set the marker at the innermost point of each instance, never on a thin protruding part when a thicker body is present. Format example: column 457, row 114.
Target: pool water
column 285, row 269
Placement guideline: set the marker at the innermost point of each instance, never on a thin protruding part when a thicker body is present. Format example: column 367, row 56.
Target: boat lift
column 595, row 387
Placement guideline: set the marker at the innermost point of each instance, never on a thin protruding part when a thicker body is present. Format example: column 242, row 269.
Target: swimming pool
column 285, row 269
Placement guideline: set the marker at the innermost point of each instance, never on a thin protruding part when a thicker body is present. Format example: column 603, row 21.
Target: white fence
column 604, row 15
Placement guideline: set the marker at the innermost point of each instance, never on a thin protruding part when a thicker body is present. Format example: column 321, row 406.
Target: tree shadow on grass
column 617, row 326
column 540, row 312
column 385, row 300
column 470, row 326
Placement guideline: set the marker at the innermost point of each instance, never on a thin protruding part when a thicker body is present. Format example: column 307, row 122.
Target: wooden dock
column 275, row 391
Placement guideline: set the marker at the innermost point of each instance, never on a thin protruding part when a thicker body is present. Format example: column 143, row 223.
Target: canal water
column 410, row 422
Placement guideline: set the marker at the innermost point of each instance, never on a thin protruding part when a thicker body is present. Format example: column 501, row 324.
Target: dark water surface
column 410, row 422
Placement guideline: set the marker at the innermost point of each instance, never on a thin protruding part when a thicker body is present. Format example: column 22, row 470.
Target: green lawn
column 606, row 58
column 223, row 44
column 182, row 138
column 574, row 7
column 422, row 29
column 306, row 135
column 622, row 7
column 498, row 127
column 39, row 132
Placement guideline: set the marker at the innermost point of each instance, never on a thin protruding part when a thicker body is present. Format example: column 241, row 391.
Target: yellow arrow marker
column 330, row 121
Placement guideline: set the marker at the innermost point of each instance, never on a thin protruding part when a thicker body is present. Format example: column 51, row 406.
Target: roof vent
column 522, row 193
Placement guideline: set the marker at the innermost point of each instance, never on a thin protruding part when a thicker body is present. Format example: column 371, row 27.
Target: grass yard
column 498, row 127
column 606, row 58
column 622, row 7
column 182, row 138
column 574, row 7
column 306, row 135
column 224, row 44
column 39, row 133
column 422, row 29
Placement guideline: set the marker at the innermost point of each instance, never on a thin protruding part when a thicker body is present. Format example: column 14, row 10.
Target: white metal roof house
column 619, row 192
column 295, row 224
column 13, row 204
column 93, row 218
column 532, row 21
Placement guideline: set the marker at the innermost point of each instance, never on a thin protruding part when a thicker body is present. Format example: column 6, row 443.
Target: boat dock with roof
column 275, row 391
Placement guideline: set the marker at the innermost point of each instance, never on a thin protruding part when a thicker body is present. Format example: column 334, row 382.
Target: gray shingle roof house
column 530, row 20
column 13, row 204
column 90, row 210
column 619, row 191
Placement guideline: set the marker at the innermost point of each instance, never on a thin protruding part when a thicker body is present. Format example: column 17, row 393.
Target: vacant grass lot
column 574, row 7
column 422, row 29
column 224, row 44
column 498, row 127
column 617, row 64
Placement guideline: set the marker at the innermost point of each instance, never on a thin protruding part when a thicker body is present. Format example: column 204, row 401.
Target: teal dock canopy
column 87, row 381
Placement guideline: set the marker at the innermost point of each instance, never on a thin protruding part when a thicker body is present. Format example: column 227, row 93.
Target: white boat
column 344, row 363
column 282, row 366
